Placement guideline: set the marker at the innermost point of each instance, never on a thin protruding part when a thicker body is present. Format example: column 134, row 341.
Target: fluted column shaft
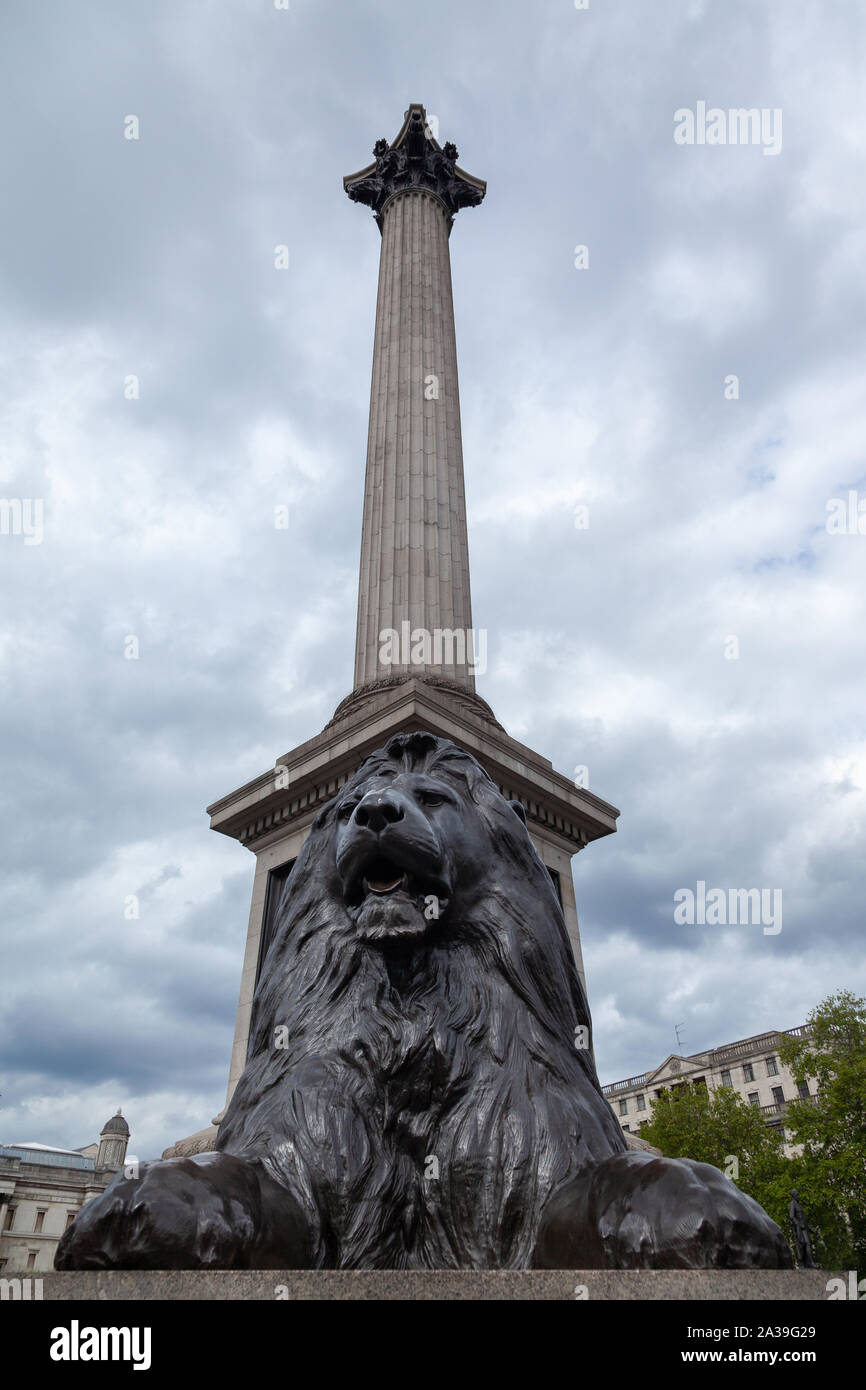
column 414, row 550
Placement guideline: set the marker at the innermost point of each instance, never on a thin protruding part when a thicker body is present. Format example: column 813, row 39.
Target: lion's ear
column 517, row 808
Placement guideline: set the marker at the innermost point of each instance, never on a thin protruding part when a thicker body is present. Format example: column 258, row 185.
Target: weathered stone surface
column 414, row 549
column 432, row 1285
column 199, row 1143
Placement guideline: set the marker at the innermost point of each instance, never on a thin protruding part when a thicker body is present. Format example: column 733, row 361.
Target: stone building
column 43, row 1188
column 752, row 1067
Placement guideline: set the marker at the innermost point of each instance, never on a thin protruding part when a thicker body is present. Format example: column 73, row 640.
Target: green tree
column 831, row 1126
column 721, row 1128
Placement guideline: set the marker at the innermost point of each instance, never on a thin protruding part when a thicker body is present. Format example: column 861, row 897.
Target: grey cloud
column 155, row 258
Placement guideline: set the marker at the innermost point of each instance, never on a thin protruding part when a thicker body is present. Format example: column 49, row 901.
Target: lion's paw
column 637, row 1211
column 178, row 1213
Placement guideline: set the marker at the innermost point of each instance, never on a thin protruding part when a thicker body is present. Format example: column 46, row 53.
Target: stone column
column 414, row 568
column 414, row 575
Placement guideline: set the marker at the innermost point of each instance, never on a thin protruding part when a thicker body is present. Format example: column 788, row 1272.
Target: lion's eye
column 345, row 811
column 432, row 799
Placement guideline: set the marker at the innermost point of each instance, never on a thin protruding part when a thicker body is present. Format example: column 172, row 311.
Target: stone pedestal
column 272, row 815
column 594, row 1285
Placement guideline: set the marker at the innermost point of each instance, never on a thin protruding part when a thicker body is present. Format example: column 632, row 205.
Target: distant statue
column 802, row 1232
column 420, row 1091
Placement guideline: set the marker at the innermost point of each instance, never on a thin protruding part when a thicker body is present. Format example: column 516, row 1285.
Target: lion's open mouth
column 382, row 877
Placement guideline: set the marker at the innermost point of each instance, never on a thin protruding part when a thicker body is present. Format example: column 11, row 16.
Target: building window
column 772, row 1067
column 803, row 1088
column 623, row 1107
column 557, row 886
column 10, row 1217
column 778, row 1095
column 641, row 1102
column 626, row 1130
column 31, row 1258
column 40, row 1217
column 748, row 1072
column 726, row 1078
column 70, row 1217
column 277, row 879
column 699, row 1081
column 753, row 1098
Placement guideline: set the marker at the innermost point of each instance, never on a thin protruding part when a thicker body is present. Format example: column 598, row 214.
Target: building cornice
column 713, row 1059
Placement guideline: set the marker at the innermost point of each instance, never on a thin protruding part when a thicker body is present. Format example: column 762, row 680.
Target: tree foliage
column 827, row 1132
column 831, row 1125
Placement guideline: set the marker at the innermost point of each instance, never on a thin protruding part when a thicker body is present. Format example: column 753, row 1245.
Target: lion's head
column 411, row 831
column 420, row 1002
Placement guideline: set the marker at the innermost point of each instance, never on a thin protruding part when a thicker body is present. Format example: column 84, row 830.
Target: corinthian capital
column 414, row 160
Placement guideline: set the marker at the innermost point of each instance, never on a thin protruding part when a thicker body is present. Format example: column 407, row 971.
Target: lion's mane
column 423, row 1107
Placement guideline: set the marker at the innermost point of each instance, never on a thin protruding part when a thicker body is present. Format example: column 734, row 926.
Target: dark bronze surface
column 802, row 1233
column 419, row 1092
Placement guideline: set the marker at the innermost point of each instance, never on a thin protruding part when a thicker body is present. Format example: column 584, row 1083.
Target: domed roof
column 116, row 1125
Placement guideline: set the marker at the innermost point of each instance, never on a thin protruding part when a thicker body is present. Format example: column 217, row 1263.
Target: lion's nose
column 377, row 810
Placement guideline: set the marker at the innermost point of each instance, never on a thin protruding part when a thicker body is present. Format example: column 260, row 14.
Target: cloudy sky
column 741, row 762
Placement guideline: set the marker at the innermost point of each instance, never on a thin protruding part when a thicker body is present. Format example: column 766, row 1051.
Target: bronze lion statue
column 415, row 1095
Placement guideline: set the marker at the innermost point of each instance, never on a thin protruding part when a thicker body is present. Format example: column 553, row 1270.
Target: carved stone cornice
column 414, row 162
column 289, row 795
